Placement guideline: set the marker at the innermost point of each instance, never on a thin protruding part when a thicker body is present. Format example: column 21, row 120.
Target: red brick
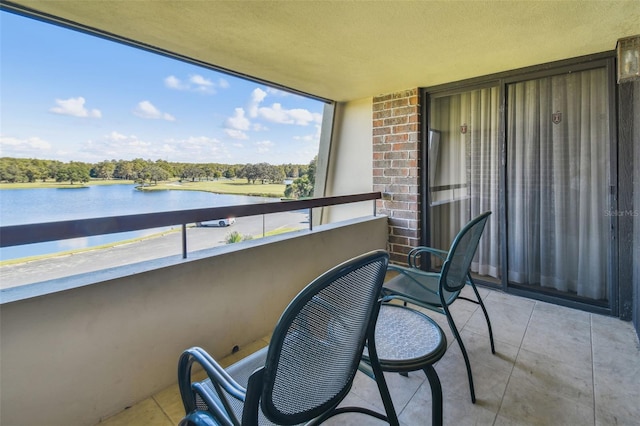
column 409, row 146
column 382, row 164
column 405, row 128
column 394, row 139
column 393, row 121
column 381, row 131
column 381, row 147
column 403, row 111
column 396, row 172
column 396, row 155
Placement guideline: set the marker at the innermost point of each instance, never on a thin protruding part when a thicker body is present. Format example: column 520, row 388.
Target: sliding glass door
column 464, row 170
column 558, row 184
column 537, row 153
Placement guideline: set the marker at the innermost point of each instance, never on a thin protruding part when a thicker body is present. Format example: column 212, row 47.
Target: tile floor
column 553, row 366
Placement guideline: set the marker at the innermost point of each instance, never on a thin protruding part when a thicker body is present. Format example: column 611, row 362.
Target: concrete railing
column 80, row 355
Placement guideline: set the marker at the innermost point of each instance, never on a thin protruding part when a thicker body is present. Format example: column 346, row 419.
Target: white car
column 218, row 222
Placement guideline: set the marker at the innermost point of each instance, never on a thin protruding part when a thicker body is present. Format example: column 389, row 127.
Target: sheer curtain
column 558, row 183
column 465, row 179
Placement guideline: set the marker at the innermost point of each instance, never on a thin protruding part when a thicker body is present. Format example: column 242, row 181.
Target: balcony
column 88, row 346
column 553, row 365
column 104, row 341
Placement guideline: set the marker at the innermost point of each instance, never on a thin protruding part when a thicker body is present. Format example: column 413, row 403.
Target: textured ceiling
column 346, row 50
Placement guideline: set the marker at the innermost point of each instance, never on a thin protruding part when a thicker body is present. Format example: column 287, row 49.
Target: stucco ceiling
column 346, row 50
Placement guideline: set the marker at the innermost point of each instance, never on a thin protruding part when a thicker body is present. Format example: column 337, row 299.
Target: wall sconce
column 628, row 52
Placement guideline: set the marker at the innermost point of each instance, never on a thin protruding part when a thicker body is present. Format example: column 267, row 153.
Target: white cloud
column 276, row 113
column 146, row 109
column 238, row 121
column 277, row 92
column 117, row 136
column 304, row 117
column 201, row 84
column 257, row 96
column 74, row 107
column 195, row 83
column 200, row 80
column 264, row 146
column 128, row 147
column 173, row 82
column 313, row 137
column 23, row 148
column 236, row 134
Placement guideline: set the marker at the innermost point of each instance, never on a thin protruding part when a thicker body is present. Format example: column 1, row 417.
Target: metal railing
column 54, row 231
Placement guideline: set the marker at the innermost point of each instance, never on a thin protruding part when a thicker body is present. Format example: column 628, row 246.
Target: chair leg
column 454, row 330
column 436, row 395
column 389, row 409
column 486, row 315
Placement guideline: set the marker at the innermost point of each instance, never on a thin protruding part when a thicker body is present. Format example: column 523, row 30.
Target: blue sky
column 68, row 96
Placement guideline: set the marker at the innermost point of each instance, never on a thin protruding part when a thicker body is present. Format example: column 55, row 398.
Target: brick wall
column 396, row 143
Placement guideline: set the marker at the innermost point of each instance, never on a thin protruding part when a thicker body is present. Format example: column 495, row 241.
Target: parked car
column 218, row 222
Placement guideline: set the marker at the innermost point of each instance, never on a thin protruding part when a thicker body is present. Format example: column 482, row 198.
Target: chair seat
column 418, row 286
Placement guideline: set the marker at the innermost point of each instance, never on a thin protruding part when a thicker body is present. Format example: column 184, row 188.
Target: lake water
column 25, row 206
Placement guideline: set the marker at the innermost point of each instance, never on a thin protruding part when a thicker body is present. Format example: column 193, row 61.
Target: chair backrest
column 456, row 267
column 317, row 344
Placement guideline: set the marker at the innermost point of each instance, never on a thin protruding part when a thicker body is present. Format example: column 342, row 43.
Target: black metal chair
column 311, row 361
column 438, row 290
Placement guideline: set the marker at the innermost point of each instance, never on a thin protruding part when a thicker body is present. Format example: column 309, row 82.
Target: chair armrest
column 417, row 251
column 198, row 418
column 222, row 382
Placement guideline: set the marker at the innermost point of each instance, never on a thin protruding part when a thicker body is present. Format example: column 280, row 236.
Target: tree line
column 142, row 171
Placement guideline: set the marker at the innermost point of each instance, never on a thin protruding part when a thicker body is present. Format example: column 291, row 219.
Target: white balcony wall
column 350, row 159
column 80, row 355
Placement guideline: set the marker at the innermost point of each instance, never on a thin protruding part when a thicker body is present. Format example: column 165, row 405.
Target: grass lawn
column 225, row 186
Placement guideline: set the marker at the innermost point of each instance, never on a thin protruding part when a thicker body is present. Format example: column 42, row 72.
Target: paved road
column 170, row 244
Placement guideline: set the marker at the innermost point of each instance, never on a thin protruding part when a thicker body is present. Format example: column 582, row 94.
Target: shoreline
column 224, row 187
column 220, row 186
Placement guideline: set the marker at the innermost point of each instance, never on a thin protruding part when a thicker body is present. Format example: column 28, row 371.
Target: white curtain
column 558, row 183
column 466, row 172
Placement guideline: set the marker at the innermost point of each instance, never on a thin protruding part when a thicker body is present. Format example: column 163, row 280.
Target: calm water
column 24, row 206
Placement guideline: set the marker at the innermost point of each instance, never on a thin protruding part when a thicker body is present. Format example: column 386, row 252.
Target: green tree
column 300, row 188
column 166, row 166
column 11, row 171
column 123, row 170
column 311, row 171
column 105, row 169
column 251, row 172
column 232, row 172
column 73, row 172
column 137, row 166
column 157, row 173
column 193, row 172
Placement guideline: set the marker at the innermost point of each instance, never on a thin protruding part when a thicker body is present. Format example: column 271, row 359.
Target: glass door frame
column 604, row 60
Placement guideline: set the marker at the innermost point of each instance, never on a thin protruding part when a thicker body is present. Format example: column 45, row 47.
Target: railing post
column 184, row 240
column 310, row 218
